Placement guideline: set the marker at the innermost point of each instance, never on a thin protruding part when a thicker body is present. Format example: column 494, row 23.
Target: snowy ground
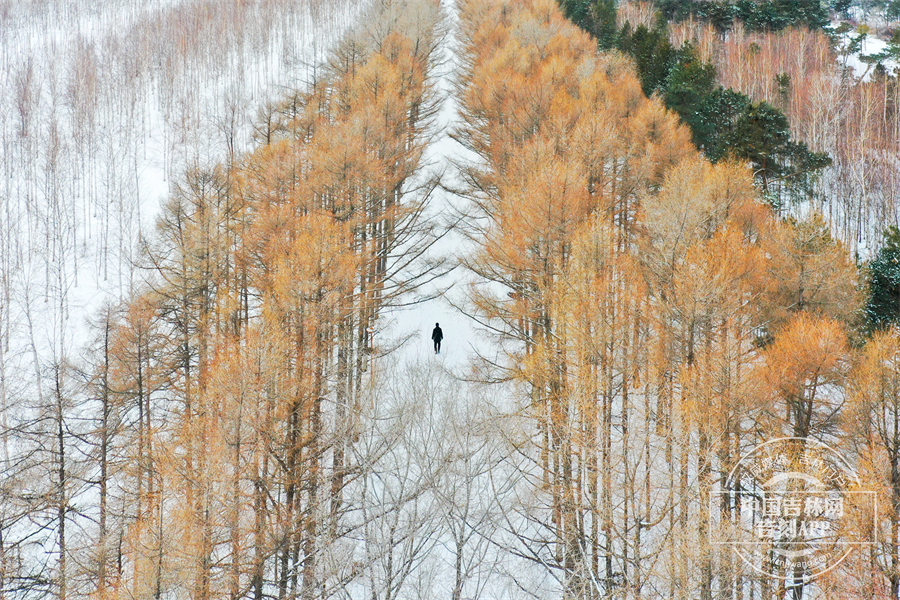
column 870, row 46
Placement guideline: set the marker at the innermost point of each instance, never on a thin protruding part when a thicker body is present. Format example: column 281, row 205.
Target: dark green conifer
column 883, row 305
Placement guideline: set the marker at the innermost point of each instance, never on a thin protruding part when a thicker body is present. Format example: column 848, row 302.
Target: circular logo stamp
column 790, row 508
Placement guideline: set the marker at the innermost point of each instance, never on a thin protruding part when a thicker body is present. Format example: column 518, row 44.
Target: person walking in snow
column 437, row 335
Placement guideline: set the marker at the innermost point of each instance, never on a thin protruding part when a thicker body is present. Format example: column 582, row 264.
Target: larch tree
column 873, row 420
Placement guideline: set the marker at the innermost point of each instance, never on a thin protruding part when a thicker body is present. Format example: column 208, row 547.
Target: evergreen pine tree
column 603, row 18
column 577, row 11
column 654, row 56
column 883, row 306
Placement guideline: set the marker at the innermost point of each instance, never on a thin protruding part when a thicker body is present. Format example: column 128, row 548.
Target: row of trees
column 271, row 278
column 85, row 153
column 205, row 446
column 659, row 319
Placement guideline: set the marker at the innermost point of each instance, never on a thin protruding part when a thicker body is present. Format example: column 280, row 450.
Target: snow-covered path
column 463, row 341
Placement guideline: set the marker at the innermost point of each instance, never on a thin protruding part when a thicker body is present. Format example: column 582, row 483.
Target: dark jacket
column 437, row 335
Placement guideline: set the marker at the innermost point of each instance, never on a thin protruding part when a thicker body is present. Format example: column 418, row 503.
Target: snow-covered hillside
column 102, row 107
